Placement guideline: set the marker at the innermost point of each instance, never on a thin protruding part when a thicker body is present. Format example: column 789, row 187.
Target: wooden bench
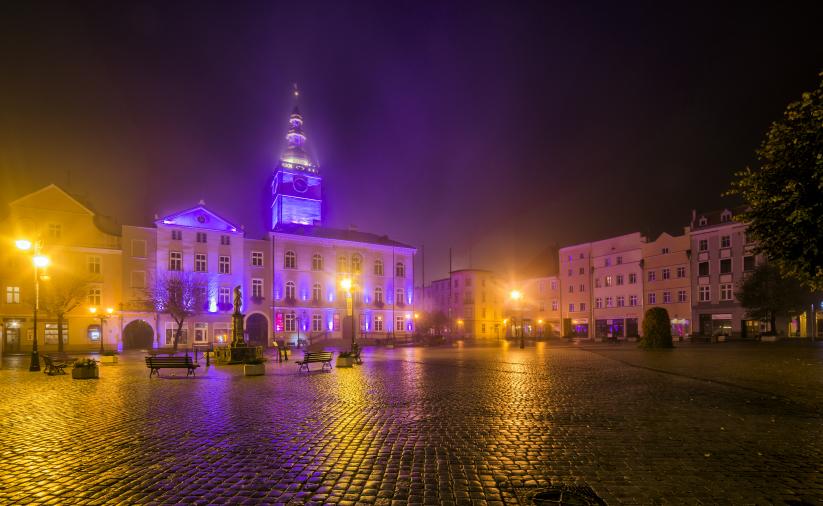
column 310, row 357
column 55, row 363
column 156, row 363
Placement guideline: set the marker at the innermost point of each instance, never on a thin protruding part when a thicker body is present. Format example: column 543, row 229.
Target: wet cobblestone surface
column 469, row 425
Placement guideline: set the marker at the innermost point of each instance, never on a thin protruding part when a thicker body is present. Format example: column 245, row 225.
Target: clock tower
column 296, row 186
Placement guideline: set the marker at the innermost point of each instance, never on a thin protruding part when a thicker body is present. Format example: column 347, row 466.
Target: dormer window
column 702, row 221
column 725, row 217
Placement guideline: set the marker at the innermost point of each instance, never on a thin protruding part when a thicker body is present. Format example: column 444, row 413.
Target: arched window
column 290, row 260
column 290, row 290
column 317, row 262
column 342, row 264
column 378, row 295
column 400, row 270
column 356, row 262
column 315, row 293
column 378, row 267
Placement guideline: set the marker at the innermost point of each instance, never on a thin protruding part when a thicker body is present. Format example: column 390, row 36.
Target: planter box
column 83, row 373
column 108, row 359
column 721, row 338
column 768, row 339
column 344, row 362
column 254, row 369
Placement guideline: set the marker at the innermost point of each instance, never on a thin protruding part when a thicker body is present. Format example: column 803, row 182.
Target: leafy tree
column 437, row 321
column 181, row 295
column 60, row 296
column 766, row 294
column 657, row 329
column 785, row 195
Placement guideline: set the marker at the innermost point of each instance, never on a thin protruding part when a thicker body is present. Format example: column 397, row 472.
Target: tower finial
column 295, row 90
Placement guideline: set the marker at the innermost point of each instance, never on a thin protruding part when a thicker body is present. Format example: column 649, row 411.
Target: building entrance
column 11, row 337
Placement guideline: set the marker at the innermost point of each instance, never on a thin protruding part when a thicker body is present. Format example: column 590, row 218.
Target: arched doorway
column 257, row 330
column 138, row 335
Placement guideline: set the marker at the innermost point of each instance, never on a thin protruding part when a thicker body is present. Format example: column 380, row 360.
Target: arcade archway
column 138, row 335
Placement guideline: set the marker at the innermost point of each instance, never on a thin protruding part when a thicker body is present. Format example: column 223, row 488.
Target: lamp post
column 39, row 262
column 516, row 296
column 103, row 317
column 346, row 285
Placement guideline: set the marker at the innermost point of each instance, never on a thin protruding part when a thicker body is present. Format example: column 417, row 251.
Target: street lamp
column 40, row 262
column 516, row 296
column 345, row 284
column 103, row 317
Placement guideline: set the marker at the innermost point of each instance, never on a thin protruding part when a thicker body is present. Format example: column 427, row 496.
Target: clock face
column 300, row 184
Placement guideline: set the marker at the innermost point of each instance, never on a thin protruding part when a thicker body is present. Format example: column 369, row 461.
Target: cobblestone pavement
column 463, row 425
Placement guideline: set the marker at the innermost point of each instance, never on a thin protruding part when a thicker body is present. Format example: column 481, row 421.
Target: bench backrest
column 168, row 361
column 317, row 356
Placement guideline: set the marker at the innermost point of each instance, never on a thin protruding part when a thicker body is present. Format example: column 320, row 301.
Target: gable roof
column 339, row 234
column 198, row 217
column 59, row 191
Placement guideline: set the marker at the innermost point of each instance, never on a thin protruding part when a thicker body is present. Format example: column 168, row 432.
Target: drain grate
column 563, row 495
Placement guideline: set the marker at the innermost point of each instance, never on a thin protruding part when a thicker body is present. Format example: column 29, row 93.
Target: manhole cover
column 566, row 495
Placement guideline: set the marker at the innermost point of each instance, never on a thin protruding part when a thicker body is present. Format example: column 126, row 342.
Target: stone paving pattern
column 451, row 425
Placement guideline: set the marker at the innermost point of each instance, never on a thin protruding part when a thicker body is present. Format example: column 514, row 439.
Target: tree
column 437, row 321
column 180, row 295
column 785, row 195
column 657, row 329
column 61, row 295
column 766, row 294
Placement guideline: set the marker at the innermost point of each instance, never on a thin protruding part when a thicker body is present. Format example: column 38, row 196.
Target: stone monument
column 238, row 350
column 237, row 339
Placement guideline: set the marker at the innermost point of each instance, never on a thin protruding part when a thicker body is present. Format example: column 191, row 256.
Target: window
column 290, row 260
column 609, row 281
column 632, row 278
column 570, row 272
column 607, row 262
column 138, row 279
column 221, row 332
column 356, row 263
column 55, row 230
column 619, row 260
column 94, row 296
column 667, row 297
column 482, row 328
column 175, row 261
column 554, row 284
column 257, row 288
column 554, row 305
column 316, row 323
column 702, row 221
column 399, row 297
column 257, row 259
column 398, row 322
column 225, row 240
column 703, row 269
column 138, row 248
column 582, row 306
column 571, row 308
column 224, row 265
column 378, row 267
column 483, row 312
column 200, row 262
column 290, row 290
column 378, row 295
column 342, row 264
column 400, row 270
column 94, row 264
column 581, row 271
column 705, row 295
column 224, row 295
column 541, row 287
column 748, row 263
column 378, row 323
column 619, row 279
column 632, row 300
column 726, row 291
column 51, row 333
column 597, row 282
column 316, row 293
column 468, row 281
column 725, row 266
column 681, row 272
column 581, row 288
column 652, row 275
column 12, row 295
column 201, row 332
column 725, row 217
column 289, row 322
column 664, row 251
column 176, row 235
column 652, row 298
column 621, row 301
column 609, row 301
column 571, row 288
column 703, row 245
column 598, row 303
column 666, row 273
column 201, row 238
column 725, row 241
column 317, row 262
column 681, row 296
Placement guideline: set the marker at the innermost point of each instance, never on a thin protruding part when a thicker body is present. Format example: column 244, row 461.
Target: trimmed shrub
column 657, row 329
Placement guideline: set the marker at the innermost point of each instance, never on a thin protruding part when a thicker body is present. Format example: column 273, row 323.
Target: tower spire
column 295, row 152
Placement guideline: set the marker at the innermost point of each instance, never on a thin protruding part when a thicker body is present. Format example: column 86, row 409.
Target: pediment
column 198, row 217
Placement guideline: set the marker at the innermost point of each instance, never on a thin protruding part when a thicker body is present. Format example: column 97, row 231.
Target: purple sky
column 493, row 130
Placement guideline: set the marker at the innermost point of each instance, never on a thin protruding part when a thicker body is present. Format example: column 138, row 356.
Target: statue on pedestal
column 237, row 338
